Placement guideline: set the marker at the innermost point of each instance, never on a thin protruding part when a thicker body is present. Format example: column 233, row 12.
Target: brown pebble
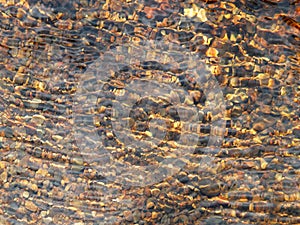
column 128, row 215
column 154, row 215
column 147, row 191
column 259, row 126
column 209, row 187
column 31, row 206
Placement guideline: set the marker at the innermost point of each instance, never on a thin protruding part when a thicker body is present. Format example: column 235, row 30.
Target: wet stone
column 128, row 216
column 3, row 177
column 209, row 187
column 296, row 132
column 264, row 122
column 38, row 119
column 183, row 178
column 31, row 206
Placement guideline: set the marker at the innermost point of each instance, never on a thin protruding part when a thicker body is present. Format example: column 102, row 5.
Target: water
column 149, row 112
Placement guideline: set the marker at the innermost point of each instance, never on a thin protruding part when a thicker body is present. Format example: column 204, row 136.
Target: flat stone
column 38, row 119
column 264, row 122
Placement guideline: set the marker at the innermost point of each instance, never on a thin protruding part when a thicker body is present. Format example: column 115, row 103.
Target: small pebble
column 31, row 206
column 128, row 215
column 3, row 176
column 25, row 194
column 38, row 119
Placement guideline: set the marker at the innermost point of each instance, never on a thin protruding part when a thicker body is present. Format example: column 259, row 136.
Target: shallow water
column 149, row 112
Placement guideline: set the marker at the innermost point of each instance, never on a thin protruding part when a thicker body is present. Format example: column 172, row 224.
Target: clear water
column 149, row 112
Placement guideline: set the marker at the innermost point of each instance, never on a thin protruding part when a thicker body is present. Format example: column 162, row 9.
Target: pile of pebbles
column 252, row 50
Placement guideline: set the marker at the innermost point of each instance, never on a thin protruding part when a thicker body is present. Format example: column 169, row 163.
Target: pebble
column 209, row 187
column 263, row 122
column 33, row 187
column 259, row 126
column 25, row 194
column 150, row 205
column 44, row 213
column 47, row 220
column 42, row 172
column 212, row 52
column 296, row 132
column 136, row 216
column 155, row 192
column 3, row 221
column 236, row 111
column 154, row 215
column 38, row 119
column 57, row 138
column 77, row 161
column 128, row 216
column 183, row 178
column 31, row 206
column 34, row 103
column 201, row 15
column 3, row 177
column 263, row 164
column 234, row 82
column 3, row 164
column 147, row 191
